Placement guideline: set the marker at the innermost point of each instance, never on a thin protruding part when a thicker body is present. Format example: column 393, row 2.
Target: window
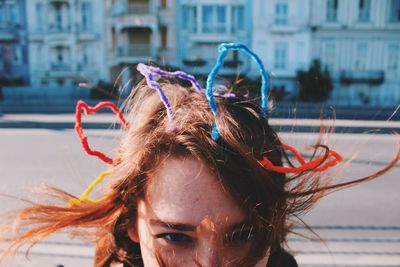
column 87, row 16
column 17, row 55
column 113, row 38
column 214, row 19
column 189, row 17
column 361, row 56
column 393, row 57
column 163, row 3
column 9, row 14
column 280, row 56
column 328, row 56
column 364, row 10
column 1, row 57
column 59, row 55
column 331, row 10
column 300, row 55
column 394, row 15
column 39, row 17
column 58, row 17
column 281, row 13
column 237, row 18
column 38, row 55
column 85, row 55
column 13, row 14
column 2, row 13
column 164, row 34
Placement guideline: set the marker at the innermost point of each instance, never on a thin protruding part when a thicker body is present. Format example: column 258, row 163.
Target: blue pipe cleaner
column 223, row 51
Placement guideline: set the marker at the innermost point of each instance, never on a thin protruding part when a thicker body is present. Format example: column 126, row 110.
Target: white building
column 359, row 42
column 202, row 25
column 282, row 38
column 66, row 42
column 138, row 31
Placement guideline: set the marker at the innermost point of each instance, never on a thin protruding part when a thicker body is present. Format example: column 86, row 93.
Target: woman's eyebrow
column 173, row 226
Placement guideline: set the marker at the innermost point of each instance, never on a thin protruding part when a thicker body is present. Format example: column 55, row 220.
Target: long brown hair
column 270, row 199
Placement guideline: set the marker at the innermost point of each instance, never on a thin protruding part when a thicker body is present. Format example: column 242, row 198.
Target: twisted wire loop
column 223, row 51
column 84, row 198
column 152, row 73
column 86, row 109
column 317, row 165
column 82, row 106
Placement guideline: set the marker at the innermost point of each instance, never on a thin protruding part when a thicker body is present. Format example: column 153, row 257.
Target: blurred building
column 359, row 42
column 282, row 39
column 138, row 31
column 61, row 43
column 66, row 42
column 13, row 42
column 203, row 24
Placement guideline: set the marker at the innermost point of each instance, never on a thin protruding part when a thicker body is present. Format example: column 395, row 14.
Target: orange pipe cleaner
column 82, row 106
column 314, row 165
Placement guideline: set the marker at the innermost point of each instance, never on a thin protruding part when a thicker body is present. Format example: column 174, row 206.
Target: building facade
column 202, row 25
column 138, row 31
column 66, row 45
column 282, row 38
column 14, row 67
column 359, row 42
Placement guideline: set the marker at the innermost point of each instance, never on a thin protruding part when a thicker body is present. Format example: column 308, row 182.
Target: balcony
column 8, row 31
column 289, row 24
column 348, row 77
column 133, row 53
column 56, row 28
column 60, row 70
column 86, row 32
column 134, row 14
column 59, row 66
column 138, row 8
column 120, row 8
column 213, row 37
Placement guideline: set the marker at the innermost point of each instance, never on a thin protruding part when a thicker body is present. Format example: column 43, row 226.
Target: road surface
column 361, row 225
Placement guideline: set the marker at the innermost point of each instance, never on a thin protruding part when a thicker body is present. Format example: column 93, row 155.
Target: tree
column 315, row 84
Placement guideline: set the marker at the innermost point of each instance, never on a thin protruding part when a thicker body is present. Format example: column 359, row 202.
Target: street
column 360, row 225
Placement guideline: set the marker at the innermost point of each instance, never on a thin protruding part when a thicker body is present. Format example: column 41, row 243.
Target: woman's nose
column 210, row 256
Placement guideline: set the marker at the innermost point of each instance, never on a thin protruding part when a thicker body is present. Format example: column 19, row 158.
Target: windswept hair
column 271, row 200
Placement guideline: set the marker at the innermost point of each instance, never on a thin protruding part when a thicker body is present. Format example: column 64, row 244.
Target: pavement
column 357, row 227
column 109, row 121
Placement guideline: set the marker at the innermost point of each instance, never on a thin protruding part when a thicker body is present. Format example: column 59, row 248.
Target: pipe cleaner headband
column 223, row 51
column 151, row 74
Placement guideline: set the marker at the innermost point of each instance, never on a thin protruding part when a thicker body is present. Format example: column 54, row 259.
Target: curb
column 277, row 127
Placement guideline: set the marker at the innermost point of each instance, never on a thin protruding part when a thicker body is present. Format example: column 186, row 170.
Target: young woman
column 180, row 196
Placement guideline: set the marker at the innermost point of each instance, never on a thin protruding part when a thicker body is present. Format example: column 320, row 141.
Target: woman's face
column 187, row 219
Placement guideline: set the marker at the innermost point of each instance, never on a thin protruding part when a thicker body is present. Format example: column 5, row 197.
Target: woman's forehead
column 186, row 190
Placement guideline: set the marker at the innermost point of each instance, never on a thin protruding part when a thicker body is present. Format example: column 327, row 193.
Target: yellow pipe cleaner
column 84, row 197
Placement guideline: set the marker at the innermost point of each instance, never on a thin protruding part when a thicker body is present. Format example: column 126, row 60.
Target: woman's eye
column 176, row 238
column 239, row 237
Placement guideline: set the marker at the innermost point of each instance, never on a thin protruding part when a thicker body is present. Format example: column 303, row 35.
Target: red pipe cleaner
column 82, row 106
column 314, row 165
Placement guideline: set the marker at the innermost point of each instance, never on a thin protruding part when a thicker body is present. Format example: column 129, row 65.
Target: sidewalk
column 109, row 121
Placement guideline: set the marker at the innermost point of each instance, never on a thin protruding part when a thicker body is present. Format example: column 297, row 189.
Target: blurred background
column 340, row 58
column 341, row 52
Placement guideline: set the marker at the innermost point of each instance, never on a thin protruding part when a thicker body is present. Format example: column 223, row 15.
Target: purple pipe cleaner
column 151, row 73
